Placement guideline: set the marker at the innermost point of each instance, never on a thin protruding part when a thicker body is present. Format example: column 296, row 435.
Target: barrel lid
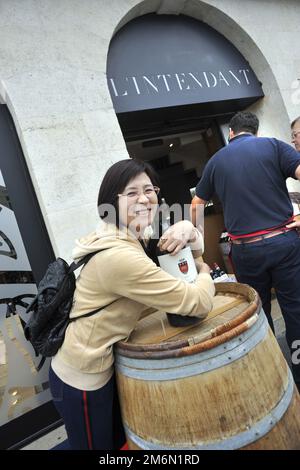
column 235, row 308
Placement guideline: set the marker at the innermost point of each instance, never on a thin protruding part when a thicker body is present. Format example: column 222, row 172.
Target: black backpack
column 51, row 306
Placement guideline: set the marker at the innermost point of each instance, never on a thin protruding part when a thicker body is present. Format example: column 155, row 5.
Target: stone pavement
column 280, row 330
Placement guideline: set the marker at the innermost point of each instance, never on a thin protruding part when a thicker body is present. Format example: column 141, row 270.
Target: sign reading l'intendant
column 158, row 61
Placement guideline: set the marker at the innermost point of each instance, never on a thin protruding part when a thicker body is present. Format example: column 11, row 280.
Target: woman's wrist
column 194, row 235
column 196, row 242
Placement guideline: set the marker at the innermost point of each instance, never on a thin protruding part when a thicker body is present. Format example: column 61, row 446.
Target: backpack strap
column 41, row 363
column 91, row 313
column 83, row 261
column 73, row 267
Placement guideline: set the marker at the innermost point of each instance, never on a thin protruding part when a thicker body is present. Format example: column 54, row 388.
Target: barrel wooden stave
column 285, row 435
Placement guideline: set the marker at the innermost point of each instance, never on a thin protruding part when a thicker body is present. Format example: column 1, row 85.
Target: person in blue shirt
column 249, row 176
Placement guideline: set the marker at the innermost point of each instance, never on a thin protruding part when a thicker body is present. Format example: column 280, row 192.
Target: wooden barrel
column 223, row 384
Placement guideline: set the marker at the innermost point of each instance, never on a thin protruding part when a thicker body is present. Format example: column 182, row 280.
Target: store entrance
column 171, row 78
column 179, row 155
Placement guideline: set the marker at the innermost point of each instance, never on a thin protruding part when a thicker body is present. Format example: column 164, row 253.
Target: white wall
column 52, row 77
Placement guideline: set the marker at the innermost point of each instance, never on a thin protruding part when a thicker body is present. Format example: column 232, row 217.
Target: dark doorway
column 179, row 154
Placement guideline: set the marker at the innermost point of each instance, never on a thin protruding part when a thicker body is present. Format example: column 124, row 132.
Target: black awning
column 159, row 61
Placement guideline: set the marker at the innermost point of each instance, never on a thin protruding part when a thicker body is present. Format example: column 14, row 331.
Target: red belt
column 239, row 241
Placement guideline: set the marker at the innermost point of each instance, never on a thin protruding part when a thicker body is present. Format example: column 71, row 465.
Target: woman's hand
column 203, row 268
column 177, row 236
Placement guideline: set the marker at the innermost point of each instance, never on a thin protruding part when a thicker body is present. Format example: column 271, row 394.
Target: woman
column 123, row 277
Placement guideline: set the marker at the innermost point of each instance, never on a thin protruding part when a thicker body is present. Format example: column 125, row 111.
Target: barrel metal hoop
column 257, row 431
column 188, row 366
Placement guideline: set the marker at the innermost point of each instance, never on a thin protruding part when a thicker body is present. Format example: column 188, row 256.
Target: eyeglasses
column 294, row 134
column 149, row 192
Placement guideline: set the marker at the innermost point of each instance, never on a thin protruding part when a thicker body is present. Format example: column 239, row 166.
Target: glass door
column 25, row 401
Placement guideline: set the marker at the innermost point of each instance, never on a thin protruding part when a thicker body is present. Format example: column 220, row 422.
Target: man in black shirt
column 249, row 177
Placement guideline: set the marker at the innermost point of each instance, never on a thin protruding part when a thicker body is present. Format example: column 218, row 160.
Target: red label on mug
column 183, row 266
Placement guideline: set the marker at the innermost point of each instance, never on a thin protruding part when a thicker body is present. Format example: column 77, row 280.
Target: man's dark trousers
column 275, row 262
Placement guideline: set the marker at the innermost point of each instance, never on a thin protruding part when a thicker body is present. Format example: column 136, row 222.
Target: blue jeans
column 92, row 418
column 274, row 262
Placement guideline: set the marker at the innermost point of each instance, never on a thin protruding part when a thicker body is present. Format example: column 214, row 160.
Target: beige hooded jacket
column 123, row 274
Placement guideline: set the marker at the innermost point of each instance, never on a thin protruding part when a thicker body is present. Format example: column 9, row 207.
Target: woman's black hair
column 115, row 181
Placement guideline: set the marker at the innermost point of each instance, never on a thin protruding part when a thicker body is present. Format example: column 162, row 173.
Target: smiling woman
column 123, row 280
column 124, row 184
column 138, row 204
